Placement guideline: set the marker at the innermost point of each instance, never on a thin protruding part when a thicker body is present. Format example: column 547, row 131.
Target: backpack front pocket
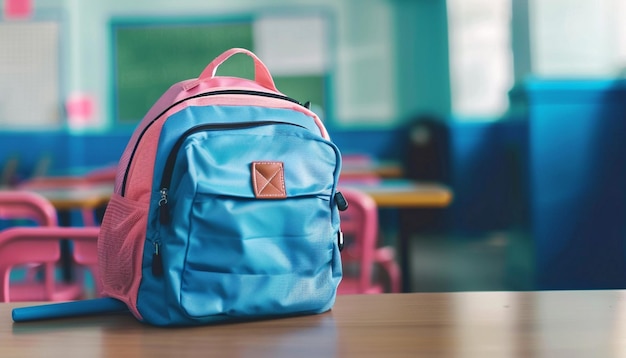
column 257, row 257
column 241, row 255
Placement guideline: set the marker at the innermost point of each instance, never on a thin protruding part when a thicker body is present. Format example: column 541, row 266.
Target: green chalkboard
column 311, row 88
column 150, row 57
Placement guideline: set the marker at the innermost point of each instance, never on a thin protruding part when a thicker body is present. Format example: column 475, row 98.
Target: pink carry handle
column 262, row 75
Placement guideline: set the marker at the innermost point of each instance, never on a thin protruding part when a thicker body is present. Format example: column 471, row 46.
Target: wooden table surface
column 367, row 167
column 404, row 193
column 84, row 196
column 388, row 193
column 470, row 324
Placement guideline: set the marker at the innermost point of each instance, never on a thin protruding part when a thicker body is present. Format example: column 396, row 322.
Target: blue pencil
column 69, row 309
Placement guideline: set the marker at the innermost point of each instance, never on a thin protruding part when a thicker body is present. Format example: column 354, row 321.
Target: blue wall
column 64, row 151
column 578, row 182
column 489, row 176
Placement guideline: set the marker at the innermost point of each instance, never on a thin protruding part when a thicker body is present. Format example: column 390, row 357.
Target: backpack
column 225, row 206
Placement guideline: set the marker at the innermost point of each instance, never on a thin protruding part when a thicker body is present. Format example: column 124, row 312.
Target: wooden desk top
column 478, row 324
column 389, row 193
column 403, row 193
column 380, row 169
column 67, row 193
column 86, row 196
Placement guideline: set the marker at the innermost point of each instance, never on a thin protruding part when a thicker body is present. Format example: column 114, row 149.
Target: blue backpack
column 225, row 208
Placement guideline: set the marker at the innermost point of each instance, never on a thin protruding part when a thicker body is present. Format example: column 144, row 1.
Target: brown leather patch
column 268, row 180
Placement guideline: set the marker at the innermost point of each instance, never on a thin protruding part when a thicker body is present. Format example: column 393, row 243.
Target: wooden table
column 72, row 195
column 82, row 197
column 403, row 194
column 369, row 168
column 474, row 324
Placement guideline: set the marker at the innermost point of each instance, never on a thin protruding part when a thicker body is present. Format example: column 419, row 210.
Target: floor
column 499, row 261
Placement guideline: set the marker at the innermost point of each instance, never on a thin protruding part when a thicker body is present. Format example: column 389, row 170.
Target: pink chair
column 26, row 208
column 359, row 224
column 16, row 205
column 22, row 207
column 24, row 245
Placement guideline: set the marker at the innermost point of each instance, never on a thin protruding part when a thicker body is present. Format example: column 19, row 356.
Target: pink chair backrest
column 359, row 224
column 25, row 245
column 21, row 204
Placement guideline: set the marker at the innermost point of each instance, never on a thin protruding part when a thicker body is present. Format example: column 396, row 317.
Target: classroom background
column 530, row 94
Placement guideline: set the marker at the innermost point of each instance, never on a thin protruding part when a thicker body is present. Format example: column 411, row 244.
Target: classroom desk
column 403, row 194
column 368, row 168
column 462, row 324
column 73, row 195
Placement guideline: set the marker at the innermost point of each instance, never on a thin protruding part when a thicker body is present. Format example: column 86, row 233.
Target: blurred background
column 525, row 103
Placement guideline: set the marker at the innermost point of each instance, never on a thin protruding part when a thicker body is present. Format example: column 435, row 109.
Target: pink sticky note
column 18, row 9
column 80, row 109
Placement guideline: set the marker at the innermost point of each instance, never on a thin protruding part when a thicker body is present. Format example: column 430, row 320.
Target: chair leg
column 385, row 256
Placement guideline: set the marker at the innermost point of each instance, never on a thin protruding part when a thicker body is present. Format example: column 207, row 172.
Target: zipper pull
column 164, row 214
column 157, row 261
column 342, row 203
column 340, row 239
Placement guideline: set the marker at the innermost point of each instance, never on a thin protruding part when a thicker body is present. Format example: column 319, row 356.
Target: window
column 578, row 38
column 481, row 64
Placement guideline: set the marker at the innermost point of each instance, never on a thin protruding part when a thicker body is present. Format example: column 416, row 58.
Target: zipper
column 206, row 94
column 168, row 169
column 157, row 262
